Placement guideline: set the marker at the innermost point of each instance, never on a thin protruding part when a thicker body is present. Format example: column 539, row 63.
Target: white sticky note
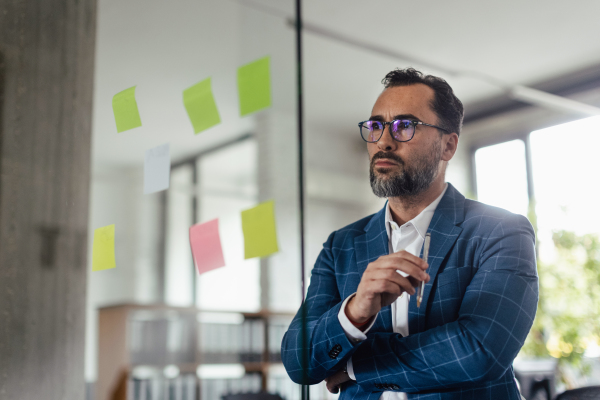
column 157, row 169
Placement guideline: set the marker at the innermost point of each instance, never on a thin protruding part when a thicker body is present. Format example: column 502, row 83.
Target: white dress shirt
column 409, row 237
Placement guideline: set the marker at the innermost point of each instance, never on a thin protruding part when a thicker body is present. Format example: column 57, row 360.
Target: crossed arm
column 495, row 316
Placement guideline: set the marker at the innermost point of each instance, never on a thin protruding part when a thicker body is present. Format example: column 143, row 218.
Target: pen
column 421, row 289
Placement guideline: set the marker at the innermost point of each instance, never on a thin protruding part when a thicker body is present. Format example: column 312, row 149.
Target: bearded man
column 360, row 328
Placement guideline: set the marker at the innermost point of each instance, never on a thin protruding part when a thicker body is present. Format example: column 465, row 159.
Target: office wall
column 46, row 67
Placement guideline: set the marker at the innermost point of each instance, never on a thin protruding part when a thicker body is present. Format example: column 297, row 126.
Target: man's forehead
column 404, row 99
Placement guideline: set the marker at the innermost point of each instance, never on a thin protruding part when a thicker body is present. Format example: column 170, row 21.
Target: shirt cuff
column 350, row 370
column 353, row 334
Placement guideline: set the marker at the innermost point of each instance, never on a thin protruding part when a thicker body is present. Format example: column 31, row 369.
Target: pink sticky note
column 206, row 246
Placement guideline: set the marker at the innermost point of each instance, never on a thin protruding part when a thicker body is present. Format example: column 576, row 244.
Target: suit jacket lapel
column 444, row 232
column 368, row 247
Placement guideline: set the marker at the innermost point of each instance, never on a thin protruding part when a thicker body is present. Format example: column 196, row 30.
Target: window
column 502, row 176
column 179, row 271
column 565, row 165
column 227, row 186
column 219, row 183
column 561, row 172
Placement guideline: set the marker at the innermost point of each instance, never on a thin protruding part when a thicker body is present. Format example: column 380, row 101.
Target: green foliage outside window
column 568, row 314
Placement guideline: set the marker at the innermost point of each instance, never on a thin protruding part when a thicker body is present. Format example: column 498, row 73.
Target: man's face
column 405, row 168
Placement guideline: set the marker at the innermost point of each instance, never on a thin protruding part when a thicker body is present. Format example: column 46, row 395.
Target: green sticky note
column 254, row 86
column 126, row 111
column 258, row 225
column 201, row 107
column 103, row 249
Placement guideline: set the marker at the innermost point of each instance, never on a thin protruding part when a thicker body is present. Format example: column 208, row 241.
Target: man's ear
column 449, row 146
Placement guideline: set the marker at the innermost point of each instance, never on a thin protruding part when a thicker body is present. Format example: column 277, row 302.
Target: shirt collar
column 420, row 222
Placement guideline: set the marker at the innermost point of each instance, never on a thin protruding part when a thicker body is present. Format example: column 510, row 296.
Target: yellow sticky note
column 200, row 106
column 103, row 249
column 258, row 225
column 126, row 111
column 254, row 86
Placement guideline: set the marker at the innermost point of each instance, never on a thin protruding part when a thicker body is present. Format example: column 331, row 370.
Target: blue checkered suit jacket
column 477, row 309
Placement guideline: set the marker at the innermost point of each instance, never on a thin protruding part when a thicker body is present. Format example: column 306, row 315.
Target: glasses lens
column 371, row 130
column 402, row 129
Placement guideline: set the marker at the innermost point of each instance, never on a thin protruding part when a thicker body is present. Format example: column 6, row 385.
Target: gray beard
column 409, row 182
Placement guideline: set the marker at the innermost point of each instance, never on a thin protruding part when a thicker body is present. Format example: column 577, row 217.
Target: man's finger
column 331, row 387
column 392, row 282
column 405, row 255
column 386, row 286
column 393, row 265
column 414, row 282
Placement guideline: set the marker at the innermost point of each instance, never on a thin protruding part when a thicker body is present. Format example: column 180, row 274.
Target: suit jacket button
column 335, row 351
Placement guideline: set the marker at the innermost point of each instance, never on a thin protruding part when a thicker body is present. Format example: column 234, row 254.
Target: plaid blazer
column 477, row 309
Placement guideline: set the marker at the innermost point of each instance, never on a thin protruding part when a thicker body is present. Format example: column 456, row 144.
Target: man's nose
column 386, row 142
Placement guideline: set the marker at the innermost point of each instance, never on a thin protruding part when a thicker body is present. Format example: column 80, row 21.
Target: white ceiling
column 165, row 47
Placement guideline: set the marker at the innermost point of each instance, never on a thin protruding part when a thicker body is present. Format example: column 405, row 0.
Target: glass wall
column 215, row 81
column 228, row 185
column 218, row 184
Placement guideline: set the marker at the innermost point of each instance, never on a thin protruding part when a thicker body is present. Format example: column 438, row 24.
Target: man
column 364, row 332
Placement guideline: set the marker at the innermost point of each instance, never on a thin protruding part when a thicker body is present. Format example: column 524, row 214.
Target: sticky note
column 157, row 169
column 258, row 225
column 200, row 106
column 126, row 111
column 206, row 246
column 254, row 86
column 103, row 249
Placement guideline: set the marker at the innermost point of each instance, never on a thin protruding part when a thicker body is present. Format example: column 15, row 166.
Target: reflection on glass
column 502, row 176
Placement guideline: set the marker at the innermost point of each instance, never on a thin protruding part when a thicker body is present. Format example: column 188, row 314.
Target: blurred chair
column 584, row 393
column 252, row 396
column 536, row 378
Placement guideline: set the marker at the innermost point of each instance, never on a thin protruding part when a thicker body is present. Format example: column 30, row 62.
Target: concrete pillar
column 46, row 83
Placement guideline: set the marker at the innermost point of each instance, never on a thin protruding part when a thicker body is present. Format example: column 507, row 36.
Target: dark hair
column 445, row 104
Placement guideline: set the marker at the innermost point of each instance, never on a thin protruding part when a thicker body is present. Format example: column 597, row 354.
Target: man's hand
column 381, row 284
column 336, row 381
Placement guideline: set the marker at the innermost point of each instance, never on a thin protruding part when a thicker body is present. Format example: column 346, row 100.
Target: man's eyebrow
column 407, row 116
column 399, row 116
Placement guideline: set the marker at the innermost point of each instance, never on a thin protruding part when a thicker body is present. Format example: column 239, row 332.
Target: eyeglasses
column 402, row 130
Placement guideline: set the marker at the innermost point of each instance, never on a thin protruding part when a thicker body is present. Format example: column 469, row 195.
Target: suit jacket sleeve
column 495, row 316
column 328, row 347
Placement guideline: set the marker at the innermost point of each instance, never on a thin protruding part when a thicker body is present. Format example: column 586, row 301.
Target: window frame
column 525, row 138
column 192, row 161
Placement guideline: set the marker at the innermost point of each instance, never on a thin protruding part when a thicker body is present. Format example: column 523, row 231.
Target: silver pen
column 421, row 288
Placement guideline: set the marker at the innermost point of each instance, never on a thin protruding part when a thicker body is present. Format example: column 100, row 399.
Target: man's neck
column 405, row 208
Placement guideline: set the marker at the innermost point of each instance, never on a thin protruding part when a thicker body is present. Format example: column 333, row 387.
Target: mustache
column 389, row 156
